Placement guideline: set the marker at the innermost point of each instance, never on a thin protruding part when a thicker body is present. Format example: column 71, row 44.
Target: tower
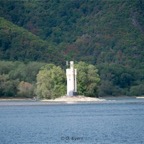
column 71, row 74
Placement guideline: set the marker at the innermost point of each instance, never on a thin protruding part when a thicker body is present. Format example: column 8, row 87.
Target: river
column 110, row 122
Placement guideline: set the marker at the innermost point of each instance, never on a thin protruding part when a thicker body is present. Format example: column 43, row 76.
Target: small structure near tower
column 71, row 74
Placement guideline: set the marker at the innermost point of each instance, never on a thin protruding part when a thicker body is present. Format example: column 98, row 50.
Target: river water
column 111, row 122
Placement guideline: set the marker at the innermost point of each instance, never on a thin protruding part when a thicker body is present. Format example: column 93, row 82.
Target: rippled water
column 99, row 123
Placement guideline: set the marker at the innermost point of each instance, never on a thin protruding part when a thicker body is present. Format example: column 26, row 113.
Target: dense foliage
column 17, row 79
column 18, row 44
column 48, row 81
column 87, row 79
column 105, row 33
column 51, row 82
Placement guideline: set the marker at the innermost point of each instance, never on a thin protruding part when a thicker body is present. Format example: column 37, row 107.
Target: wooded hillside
column 106, row 33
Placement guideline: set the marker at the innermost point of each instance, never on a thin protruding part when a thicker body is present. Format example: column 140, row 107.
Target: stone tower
column 71, row 74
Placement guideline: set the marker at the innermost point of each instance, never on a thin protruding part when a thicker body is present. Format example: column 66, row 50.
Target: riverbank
column 69, row 100
column 72, row 98
column 83, row 99
column 60, row 100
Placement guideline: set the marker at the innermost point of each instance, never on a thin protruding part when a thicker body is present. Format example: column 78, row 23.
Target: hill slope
column 107, row 33
column 95, row 31
column 17, row 43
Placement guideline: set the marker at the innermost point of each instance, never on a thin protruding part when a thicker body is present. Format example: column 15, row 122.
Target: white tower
column 71, row 74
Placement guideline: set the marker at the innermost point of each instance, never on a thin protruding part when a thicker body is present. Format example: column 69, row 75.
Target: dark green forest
column 106, row 33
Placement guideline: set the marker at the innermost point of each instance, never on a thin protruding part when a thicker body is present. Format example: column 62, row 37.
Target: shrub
column 25, row 89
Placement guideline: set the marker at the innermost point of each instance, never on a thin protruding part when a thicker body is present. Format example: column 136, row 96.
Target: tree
column 137, row 90
column 6, row 67
column 8, row 87
column 51, row 82
column 87, row 79
column 25, row 89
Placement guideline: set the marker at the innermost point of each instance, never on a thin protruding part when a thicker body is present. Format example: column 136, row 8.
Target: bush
column 25, row 89
column 137, row 90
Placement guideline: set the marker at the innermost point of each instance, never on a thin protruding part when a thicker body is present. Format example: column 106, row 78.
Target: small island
column 74, row 99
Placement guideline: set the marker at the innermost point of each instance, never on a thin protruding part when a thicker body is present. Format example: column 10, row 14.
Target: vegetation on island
column 44, row 81
column 51, row 82
column 88, row 79
column 108, row 34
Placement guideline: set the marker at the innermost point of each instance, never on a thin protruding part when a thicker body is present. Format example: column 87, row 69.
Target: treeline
column 107, row 34
column 118, row 80
column 18, row 79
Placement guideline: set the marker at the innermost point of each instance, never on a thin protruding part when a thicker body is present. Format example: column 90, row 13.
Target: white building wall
column 71, row 80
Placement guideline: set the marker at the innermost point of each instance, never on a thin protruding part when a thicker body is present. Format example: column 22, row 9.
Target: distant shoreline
column 67, row 99
column 15, row 99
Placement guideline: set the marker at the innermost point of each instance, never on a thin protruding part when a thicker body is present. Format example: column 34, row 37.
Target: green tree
column 8, row 87
column 51, row 82
column 137, row 90
column 6, row 67
column 87, row 79
column 18, row 72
